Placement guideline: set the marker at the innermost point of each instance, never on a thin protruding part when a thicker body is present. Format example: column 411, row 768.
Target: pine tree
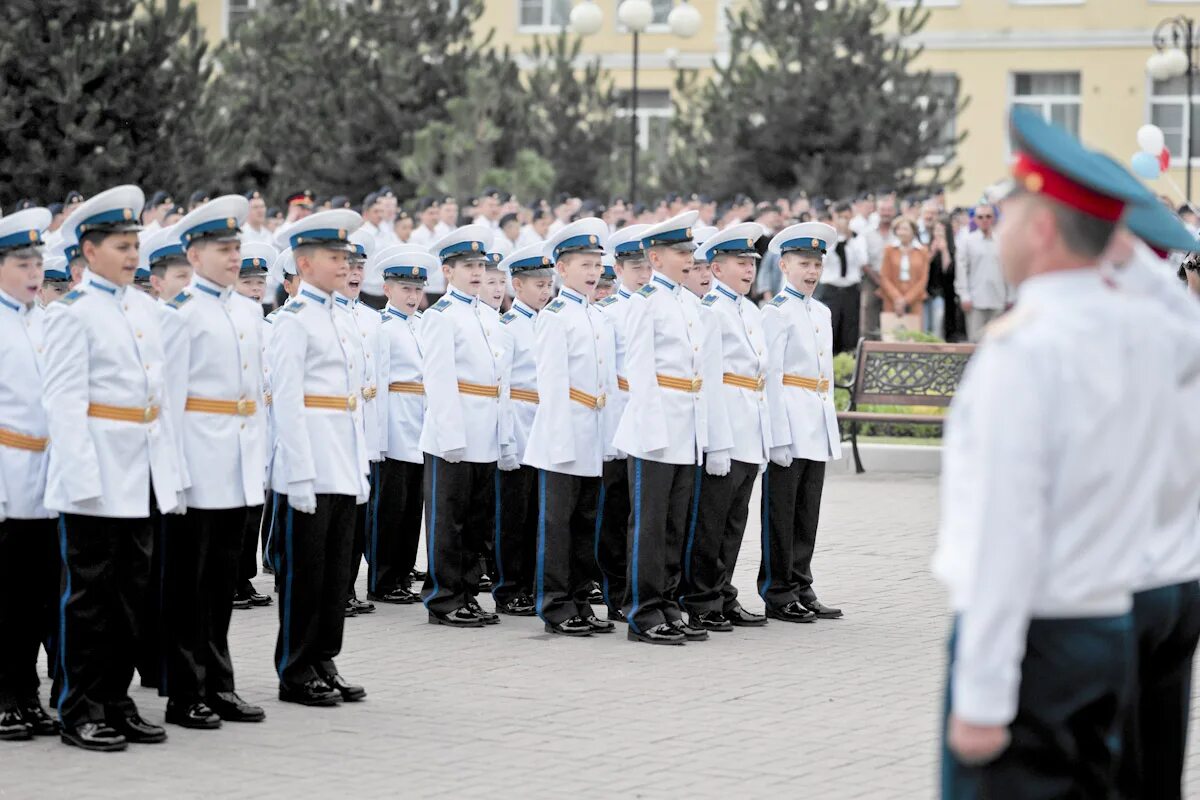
column 817, row 94
column 99, row 92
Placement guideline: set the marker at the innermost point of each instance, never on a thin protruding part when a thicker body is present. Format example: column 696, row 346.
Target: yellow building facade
column 1082, row 63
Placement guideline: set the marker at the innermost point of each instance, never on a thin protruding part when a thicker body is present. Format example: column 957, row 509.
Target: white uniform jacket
column 405, row 394
column 104, row 353
column 744, row 424
column 518, row 324
column 22, row 420
column 268, row 326
column 614, row 308
column 365, row 323
column 800, row 353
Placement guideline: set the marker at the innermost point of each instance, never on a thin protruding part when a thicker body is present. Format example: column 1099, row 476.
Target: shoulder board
column 647, row 290
column 608, row 301
column 70, row 297
column 178, row 300
column 418, row 315
column 779, row 300
column 1006, row 324
column 384, row 317
column 555, row 306
column 709, row 299
column 294, row 306
column 441, row 305
column 507, row 318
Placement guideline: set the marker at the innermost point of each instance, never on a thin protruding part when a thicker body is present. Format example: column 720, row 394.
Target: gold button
column 243, row 426
column 240, row 335
column 147, row 367
column 245, row 366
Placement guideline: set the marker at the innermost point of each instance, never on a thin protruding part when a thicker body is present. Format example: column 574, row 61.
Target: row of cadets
column 212, row 339
column 321, row 462
column 163, row 262
column 56, row 279
column 112, row 454
column 397, row 530
column 29, row 560
column 804, row 427
column 516, row 538
column 633, row 272
column 715, row 539
column 466, row 431
column 574, row 354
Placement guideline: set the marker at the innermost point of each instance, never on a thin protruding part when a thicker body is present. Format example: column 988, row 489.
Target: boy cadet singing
column 804, row 429
column 212, row 338
column 321, row 463
column 574, row 353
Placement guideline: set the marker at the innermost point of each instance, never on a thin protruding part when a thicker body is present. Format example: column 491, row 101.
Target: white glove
column 509, row 463
column 781, row 456
column 302, row 497
column 717, row 463
column 180, row 503
column 454, row 456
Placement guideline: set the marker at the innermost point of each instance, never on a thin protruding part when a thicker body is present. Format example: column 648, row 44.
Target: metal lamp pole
column 633, row 126
column 1179, row 33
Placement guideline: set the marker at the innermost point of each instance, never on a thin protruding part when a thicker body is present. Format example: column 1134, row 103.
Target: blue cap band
column 405, row 271
column 141, row 274
column 30, row 238
column 525, row 264
column 628, row 248
column 113, row 216
column 254, row 265
column 320, row 236
column 213, row 226
column 609, row 272
column 804, row 243
column 165, row 252
column 668, row 237
column 733, row 246
column 461, row 248
column 71, row 252
column 56, row 275
column 583, row 242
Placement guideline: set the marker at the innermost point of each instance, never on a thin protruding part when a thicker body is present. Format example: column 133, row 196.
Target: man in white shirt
column 979, row 281
column 255, row 230
column 841, row 280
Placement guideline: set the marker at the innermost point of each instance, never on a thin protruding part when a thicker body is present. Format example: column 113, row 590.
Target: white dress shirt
column 978, row 278
column 365, row 326
column 800, row 344
column 856, row 259
column 518, row 324
column 312, row 355
column 614, row 308
column 212, row 338
column 268, row 327
column 406, row 410
column 1037, row 520
column 22, row 471
column 435, row 283
column 663, row 336
column 104, row 346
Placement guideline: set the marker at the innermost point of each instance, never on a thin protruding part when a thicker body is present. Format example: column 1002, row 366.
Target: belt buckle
column 243, row 407
column 601, row 399
column 697, row 382
column 760, row 383
column 148, row 414
column 823, row 385
column 351, row 402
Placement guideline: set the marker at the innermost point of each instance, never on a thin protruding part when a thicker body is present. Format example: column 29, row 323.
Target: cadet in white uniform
column 575, row 355
column 161, row 253
column 56, row 280
column 1036, row 544
column 664, row 430
column 29, row 565
column 283, row 275
column 321, row 461
column 804, row 428
column 516, row 538
column 212, row 341
column 741, row 432
column 112, row 453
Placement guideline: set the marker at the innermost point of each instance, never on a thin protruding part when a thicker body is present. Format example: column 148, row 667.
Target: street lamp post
column 1175, row 41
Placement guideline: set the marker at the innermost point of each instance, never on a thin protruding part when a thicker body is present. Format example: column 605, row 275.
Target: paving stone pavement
column 832, row 710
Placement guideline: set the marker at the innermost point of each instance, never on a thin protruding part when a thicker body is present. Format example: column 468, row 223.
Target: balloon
column 1164, row 158
column 1145, row 166
column 1150, row 139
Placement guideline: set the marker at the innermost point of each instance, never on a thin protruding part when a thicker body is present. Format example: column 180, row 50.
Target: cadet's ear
column 193, row 254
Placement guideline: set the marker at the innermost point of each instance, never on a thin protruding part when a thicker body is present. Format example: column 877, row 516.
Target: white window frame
column 938, row 159
column 543, row 27
column 1153, row 99
column 645, row 114
column 1045, row 100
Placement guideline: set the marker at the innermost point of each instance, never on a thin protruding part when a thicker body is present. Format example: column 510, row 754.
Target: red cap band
column 1040, row 178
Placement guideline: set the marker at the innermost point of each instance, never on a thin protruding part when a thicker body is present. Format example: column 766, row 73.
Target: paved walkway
column 840, row 709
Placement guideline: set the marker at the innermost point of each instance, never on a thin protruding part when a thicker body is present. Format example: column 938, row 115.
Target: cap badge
column 1034, row 182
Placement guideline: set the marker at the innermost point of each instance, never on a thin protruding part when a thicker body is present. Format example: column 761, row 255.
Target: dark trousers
column 461, row 507
column 247, row 565
column 106, row 568
column 201, row 555
column 568, row 510
column 314, row 565
column 844, row 304
column 612, row 539
column 715, row 538
column 516, row 540
column 270, row 530
column 1166, row 627
column 1074, row 691
column 29, row 579
column 366, row 531
column 151, row 657
column 791, row 507
column 397, row 529
column 660, row 498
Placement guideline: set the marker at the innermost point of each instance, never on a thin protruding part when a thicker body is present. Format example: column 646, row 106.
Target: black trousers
column 201, row 556
column 791, row 508
column 151, row 656
column 568, row 510
column 843, row 302
column 397, row 529
column 612, row 539
column 1166, row 628
column 461, row 508
column 29, row 579
column 365, row 530
column 660, row 499
column 314, row 562
column 270, row 530
column 516, row 540
column 1075, row 682
column 715, row 538
column 248, row 556
column 106, row 569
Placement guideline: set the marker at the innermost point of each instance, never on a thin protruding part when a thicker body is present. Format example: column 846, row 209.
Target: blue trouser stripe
column 496, row 584
column 285, row 652
column 766, row 534
column 431, row 534
column 596, row 549
column 691, row 539
column 637, row 536
column 269, row 545
column 541, row 543
column 62, row 615
column 372, row 572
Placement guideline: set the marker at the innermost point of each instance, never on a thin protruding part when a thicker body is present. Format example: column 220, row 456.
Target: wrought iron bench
column 910, row 374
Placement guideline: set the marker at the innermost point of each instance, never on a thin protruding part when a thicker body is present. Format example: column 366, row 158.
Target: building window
column 658, row 24
column 654, row 113
column 544, row 14
column 1168, row 110
column 1054, row 95
column 240, row 11
column 942, row 93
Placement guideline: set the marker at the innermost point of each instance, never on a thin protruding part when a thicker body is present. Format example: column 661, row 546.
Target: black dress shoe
column 485, row 583
column 821, row 610
column 575, row 626
column 349, row 692
column 458, row 618
column 99, row 736
column 518, row 607
column 595, row 596
column 254, row 598
column 742, row 618
column 13, row 726
column 689, row 633
column 350, row 610
column 268, row 569
column 197, row 715
column 488, row 617
column 361, row 606
column 792, row 612
column 599, row 625
column 231, row 708
column 40, row 723
column 240, row 602
column 315, row 692
column 659, row 634
column 616, row 615
column 137, row 731
column 711, row 621
column 417, row 575
column 399, row 596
